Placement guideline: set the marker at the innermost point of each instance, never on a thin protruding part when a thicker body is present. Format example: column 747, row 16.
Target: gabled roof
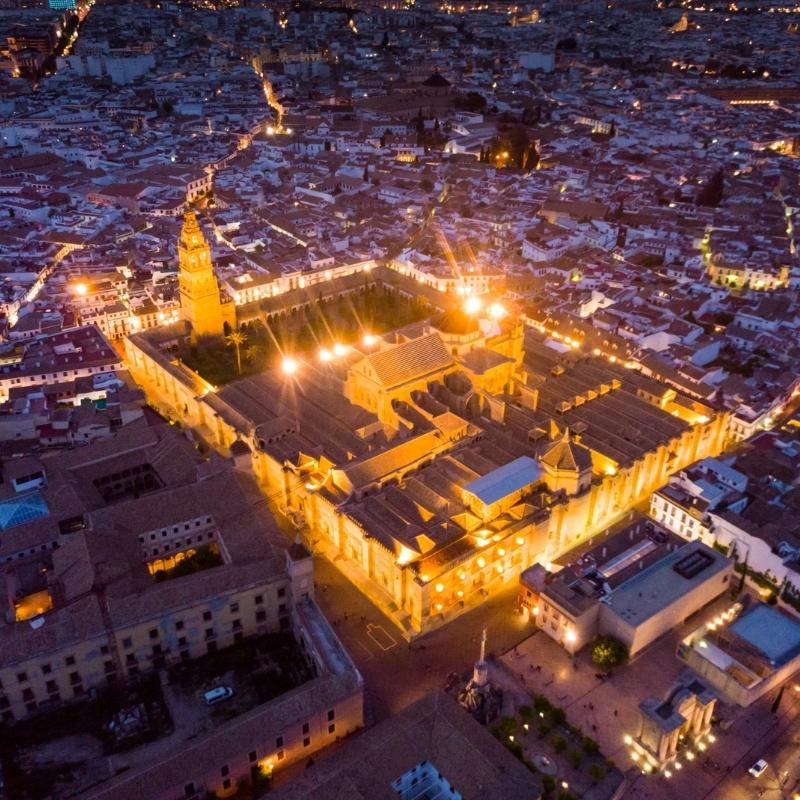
column 503, row 481
column 437, row 79
column 409, row 360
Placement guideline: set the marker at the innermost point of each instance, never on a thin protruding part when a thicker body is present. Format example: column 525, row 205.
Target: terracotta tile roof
column 435, row 730
column 410, row 360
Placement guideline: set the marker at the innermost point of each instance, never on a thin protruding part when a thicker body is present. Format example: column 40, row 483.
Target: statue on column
column 479, row 697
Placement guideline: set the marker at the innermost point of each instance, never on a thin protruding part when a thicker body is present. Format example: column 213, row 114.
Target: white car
column 214, row 696
column 758, row 769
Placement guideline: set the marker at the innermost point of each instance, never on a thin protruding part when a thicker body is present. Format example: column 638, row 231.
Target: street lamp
column 289, row 366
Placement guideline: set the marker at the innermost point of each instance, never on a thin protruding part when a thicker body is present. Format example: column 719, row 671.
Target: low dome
column 455, row 321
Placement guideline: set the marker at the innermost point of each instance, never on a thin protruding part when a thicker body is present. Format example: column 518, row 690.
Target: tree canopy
column 609, row 652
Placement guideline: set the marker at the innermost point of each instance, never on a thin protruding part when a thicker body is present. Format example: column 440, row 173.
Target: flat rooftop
column 666, row 581
column 590, row 569
column 771, row 631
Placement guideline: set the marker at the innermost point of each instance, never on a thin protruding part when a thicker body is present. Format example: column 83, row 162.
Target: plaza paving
column 607, row 710
column 396, row 674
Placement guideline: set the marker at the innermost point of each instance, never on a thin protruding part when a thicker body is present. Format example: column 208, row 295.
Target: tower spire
column 203, row 304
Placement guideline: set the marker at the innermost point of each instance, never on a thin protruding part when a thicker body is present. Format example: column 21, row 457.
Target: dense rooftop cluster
column 519, row 268
column 641, row 204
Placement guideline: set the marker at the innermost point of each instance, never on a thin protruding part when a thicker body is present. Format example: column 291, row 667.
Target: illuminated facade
column 203, row 305
column 680, row 722
column 439, row 462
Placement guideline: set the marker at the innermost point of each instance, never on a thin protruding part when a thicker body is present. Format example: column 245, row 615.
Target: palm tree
column 237, row 339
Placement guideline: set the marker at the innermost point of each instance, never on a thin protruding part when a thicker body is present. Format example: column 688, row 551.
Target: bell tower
column 202, row 303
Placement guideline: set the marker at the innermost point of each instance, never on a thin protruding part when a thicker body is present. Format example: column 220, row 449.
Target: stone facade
column 203, row 305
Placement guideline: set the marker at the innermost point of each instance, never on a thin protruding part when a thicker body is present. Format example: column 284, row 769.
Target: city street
column 776, row 739
column 396, row 673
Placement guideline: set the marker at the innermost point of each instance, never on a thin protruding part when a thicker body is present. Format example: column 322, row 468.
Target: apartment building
column 71, row 353
column 90, row 561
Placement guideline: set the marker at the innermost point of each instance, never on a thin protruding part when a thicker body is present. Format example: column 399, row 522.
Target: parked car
column 759, row 768
column 214, row 696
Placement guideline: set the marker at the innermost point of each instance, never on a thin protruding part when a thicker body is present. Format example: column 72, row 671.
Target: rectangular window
column 332, row 727
column 206, row 616
column 224, row 770
column 332, row 715
column 305, row 727
column 253, row 756
column 279, row 743
column 307, row 741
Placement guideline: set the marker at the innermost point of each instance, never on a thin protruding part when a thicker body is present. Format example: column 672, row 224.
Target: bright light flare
column 473, row 305
column 369, row 340
column 339, row 349
column 81, row 289
column 496, row 311
column 289, row 365
column 325, row 354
